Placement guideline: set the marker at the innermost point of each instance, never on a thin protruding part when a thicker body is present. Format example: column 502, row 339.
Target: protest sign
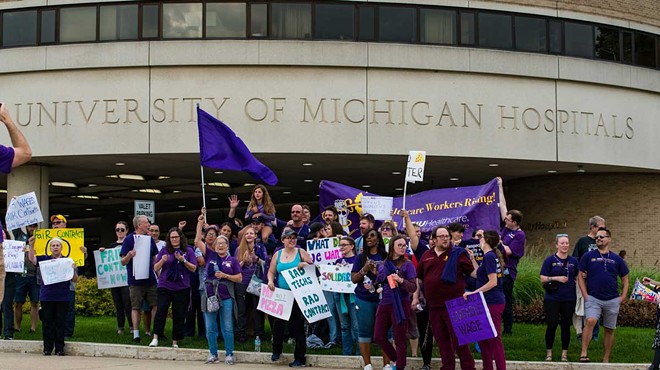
column 145, row 208
column 142, row 260
column 277, row 303
column 109, row 271
column 471, row 319
column 324, row 251
column 14, row 255
column 415, row 167
column 72, row 240
column 336, row 278
column 56, row 270
column 379, row 207
column 641, row 292
column 308, row 293
column 23, row 210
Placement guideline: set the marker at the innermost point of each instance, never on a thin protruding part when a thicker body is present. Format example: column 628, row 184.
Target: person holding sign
column 26, row 285
column 489, row 281
column 656, row 340
column 120, row 296
column 54, row 300
column 287, row 258
column 251, row 255
column 346, row 301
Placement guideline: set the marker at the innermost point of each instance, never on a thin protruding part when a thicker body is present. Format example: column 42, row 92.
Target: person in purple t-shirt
column 513, row 248
column 251, row 255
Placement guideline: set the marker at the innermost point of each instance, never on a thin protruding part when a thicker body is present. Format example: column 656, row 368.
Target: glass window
column 467, row 29
column 578, row 40
column 118, row 22
column 292, row 21
column 150, row 21
column 48, row 26
column 334, row 22
column 554, row 28
column 437, row 26
column 397, row 24
column 495, row 31
column 78, row 24
column 226, row 19
column 644, row 50
column 607, row 44
column 627, row 47
column 182, row 21
column 259, row 20
column 531, row 34
column 19, row 28
column 367, row 23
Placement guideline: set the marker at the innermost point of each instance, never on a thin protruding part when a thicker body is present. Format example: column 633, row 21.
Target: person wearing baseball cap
column 58, row 221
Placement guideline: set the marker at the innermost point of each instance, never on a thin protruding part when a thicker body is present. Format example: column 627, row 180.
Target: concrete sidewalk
column 104, row 356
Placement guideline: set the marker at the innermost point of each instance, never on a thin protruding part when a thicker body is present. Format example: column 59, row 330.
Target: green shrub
column 91, row 301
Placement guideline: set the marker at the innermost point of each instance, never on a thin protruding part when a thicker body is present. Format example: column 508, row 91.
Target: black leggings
column 553, row 311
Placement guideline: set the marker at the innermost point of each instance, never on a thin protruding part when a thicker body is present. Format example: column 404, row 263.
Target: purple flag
column 221, row 149
column 471, row 319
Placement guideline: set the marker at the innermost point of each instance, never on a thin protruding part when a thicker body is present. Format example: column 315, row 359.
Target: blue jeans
column 349, row 324
column 334, row 319
column 367, row 312
column 226, row 314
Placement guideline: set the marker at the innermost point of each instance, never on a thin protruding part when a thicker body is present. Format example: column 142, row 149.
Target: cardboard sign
column 277, row 303
column 379, row 207
column 415, row 167
column 641, row 292
column 324, row 251
column 471, row 319
column 56, row 270
column 22, row 211
column 72, row 240
column 142, row 260
column 109, row 271
column 337, row 278
column 308, row 293
column 14, row 254
column 145, row 208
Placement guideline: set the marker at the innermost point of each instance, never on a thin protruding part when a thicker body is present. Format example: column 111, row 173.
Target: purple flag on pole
column 221, row 149
column 471, row 319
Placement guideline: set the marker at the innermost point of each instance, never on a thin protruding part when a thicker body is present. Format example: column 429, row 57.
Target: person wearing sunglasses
column 120, row 295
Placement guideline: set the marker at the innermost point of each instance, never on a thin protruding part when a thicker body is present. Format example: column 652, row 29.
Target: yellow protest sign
column 72, row 240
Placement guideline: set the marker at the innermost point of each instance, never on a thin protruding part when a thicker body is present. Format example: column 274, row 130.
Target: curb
column 85, row 349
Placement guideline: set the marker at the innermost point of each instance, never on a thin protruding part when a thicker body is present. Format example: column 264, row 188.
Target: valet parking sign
column 146, row 208
column 307, row 291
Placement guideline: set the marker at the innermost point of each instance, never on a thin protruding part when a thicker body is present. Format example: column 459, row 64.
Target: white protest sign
column 415, row 167
column 56, row 270
column 109, row 271
column 379, row 207
column 146, row 208
column 308, row 293
column 324, row 251
column 14, row 254
column 22, row 211
column 142, row 260
column 277, row 303
column 337, row 278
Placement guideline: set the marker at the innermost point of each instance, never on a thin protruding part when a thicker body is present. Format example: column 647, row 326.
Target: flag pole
column 405, row 187
column 201, row 170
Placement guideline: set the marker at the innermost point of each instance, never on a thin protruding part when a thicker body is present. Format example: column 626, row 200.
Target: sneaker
column 368, row 367
column 212, row 359
column 274, row 357
column 297, row 363
column 174, row 345
column 425, row 367
column 229, row 360
column 154, row 343
column 136, row 340
column 147, row 333
column 7, row 337
column 46, row 353
column 389, row 366
column 61, row 353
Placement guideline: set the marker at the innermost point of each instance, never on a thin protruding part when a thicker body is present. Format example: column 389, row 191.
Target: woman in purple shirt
column 346, row 301
column 174, row 265
column 251, row 255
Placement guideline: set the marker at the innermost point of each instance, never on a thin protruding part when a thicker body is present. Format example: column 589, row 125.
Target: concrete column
column 27, row 178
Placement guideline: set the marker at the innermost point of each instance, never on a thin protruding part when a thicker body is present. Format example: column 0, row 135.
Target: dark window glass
column 467, row 29
column 367, row 23
column 292, row 21
column 259, row 20
column 78, row 24
column 495, row 31
column 397, row 24
column 531, row 34
column 334, row 22
column 578, row 40
column 182, row 21
column 437, row 26
column 118, row 22
column 554, row 28
column 48, row 26
column 226, row 20
column 645, row 50
column 627, row 47
column 607, row 44
column 19, row 28
column 150, row 21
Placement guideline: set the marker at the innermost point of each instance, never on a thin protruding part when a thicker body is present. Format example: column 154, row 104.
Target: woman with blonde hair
column 251, row 255
column 261, row 206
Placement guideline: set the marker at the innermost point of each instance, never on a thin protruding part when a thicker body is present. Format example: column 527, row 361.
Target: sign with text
column 146, row 208
column 415, row 167
column 56, row 270
column 13, row 253
column 141, row 261
column 277, row 303
column 23, row 210
column 471, row 319
column 379, row 207
column 336, row 278
column 324, row 251
column 72, row 240
column 308, row 293
column 109, row 271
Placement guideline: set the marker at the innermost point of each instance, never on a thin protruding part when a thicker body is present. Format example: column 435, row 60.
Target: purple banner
column 471, row 319
column 476, row 207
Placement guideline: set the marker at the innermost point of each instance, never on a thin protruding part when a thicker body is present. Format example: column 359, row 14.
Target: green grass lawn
column 632, row 345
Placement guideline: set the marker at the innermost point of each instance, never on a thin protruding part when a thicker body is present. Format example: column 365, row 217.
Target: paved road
column 16, row 361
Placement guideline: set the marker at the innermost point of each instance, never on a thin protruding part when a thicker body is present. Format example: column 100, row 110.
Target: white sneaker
column 368, row 367
column 229, row 360
column 175, row 345
column 389, row 367
column 154, row 343
column 212, row 359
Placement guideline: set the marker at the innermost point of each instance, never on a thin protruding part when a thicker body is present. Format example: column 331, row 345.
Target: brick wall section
column 630, row 204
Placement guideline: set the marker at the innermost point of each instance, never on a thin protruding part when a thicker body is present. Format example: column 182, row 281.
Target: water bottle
column 368, row 284
column 257, row 344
